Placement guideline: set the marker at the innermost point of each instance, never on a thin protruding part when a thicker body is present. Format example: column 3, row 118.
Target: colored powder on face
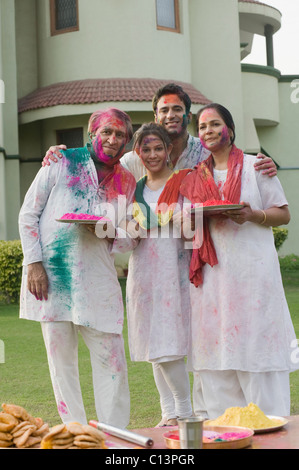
column 172, row 99
column 111, row 123
column 225, row 138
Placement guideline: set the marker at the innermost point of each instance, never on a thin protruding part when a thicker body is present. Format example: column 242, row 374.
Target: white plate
column 282, row 420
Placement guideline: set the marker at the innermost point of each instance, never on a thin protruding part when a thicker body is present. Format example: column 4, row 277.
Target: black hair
column 172, row 89
column 151, row 128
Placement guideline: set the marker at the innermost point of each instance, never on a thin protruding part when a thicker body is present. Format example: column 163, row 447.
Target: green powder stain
column 61, row 263
column 78, row 169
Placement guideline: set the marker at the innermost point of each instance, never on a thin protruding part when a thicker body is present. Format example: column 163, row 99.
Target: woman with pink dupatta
column 242, row 334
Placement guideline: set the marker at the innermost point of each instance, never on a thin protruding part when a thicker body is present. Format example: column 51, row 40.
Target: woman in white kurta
column 242, row 333
column 81, row 292
column 158, row 302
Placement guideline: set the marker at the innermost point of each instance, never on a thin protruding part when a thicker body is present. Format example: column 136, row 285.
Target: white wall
column 115, row 39
column 215, row 52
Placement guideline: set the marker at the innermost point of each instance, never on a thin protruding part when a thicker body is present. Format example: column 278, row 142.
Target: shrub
column 11, row 258
column 280, row 235
column 289, row 262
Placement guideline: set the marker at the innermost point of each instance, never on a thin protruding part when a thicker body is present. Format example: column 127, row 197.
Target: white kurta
column 83, row 283
column 240, row 318
column 158, row 299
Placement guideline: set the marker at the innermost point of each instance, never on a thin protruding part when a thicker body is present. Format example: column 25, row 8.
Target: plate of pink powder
column 215, row 437
column 72, row 218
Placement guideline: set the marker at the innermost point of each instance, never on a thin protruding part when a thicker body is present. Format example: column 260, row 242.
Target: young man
column 69, row 280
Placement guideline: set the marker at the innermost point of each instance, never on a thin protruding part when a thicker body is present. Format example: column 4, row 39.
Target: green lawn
column 24, row 375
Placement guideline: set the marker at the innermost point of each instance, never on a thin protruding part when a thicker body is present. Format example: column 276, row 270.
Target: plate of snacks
column 72, row 218
column 19, row 429
column 215, row 437
column 73, row 436
column 250, row 416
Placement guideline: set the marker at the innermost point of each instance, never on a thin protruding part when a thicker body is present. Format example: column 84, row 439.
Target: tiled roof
column 99, row 91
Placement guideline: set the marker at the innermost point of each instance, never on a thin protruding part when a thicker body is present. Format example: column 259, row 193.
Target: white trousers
column 109, row 373
column 218, row 390
column 172, row 382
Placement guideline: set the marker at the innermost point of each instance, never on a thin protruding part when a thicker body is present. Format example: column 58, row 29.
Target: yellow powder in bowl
column 248, row 417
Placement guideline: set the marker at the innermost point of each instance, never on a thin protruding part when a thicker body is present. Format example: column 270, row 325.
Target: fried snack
column 7, row 422
column 18, row 412
column 23, row 426
column 21, row 429
column 42, row 431
column 73, row 436
column 5, row 443
column 58, row 436
column 5, row 436
column 96, row 433
column 90, row 438
column 75, row 428
column 32, row 441
column 20, row 440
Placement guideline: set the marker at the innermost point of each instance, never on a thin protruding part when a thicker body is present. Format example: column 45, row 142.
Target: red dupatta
column 199, row 186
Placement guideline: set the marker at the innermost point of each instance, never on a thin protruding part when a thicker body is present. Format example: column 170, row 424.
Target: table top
column 284, row 438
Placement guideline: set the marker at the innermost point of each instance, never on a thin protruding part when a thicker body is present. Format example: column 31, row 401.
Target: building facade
column 60, row 60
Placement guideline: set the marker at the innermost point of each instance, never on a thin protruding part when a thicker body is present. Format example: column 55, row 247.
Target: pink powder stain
column 62, row 408
column 73, row 180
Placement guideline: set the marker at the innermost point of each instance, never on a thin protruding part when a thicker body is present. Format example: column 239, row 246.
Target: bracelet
column 265, row 217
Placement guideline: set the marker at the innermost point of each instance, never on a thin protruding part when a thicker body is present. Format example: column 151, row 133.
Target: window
column 72, row 138
column 64, row 16
column 168, row 17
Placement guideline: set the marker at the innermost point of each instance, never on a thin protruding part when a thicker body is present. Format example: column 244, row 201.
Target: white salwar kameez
column 158, row 310
column 240, row 320
column 84, row 292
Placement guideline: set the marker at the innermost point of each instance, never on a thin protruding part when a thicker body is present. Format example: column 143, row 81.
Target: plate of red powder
column 72, row 218
column 215, row 205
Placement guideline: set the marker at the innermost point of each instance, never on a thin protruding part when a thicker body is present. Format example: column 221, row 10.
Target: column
column 269, row 44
